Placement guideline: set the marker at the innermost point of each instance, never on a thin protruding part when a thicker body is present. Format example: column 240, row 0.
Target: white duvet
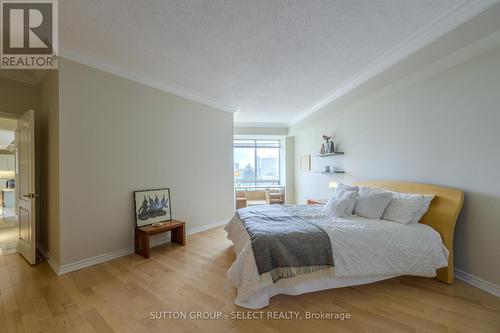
column 361, row 248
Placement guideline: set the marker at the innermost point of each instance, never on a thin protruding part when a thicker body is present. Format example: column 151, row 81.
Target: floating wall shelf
column 331, row 154
column 331, row 172
column 334, row 170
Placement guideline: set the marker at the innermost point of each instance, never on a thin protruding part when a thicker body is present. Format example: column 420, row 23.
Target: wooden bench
column 142, row 234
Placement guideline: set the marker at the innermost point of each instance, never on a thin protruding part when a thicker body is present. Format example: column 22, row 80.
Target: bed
column 365, row 251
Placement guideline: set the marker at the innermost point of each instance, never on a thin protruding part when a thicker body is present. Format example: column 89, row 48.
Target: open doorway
column 9, row 226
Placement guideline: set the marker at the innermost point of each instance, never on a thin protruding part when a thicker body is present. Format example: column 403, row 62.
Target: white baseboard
column 74, row 266
column 196, row 230
column 477, row 282
column 59, row 270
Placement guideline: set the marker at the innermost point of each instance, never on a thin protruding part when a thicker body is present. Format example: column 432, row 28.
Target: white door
column 26, row 186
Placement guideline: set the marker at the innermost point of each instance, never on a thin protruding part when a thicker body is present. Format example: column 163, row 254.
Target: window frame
column 256, row 146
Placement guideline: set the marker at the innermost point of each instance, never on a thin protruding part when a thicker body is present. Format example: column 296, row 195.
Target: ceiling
column 273, row 61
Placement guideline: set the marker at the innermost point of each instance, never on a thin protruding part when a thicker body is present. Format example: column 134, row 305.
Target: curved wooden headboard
column 442, row 214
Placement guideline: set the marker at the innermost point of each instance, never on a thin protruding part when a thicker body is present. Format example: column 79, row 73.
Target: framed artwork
column 152, row 206
column 305, row 163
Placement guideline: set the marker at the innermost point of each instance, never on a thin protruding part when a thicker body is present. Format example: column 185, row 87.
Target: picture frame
column 152, row 206
column 305, row 162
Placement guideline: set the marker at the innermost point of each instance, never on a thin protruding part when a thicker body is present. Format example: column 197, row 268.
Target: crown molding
column 257, row 124
column 146, row 80
column 429, row 33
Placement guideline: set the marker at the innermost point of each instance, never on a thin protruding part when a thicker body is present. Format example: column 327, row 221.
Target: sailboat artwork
column 152, row 206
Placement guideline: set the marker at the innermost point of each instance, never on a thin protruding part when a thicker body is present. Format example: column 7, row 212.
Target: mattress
column 364, row 251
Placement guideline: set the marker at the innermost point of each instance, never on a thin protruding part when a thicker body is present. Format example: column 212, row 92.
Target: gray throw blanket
column 284, row 244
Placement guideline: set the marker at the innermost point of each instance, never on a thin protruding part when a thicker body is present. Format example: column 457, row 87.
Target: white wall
column 439, row 129
column 239, row 129
column 17, row 97
column 117, row 136
column 48, row 165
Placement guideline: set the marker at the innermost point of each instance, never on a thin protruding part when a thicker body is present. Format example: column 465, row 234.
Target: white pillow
column 407, row 207
column 344, row 187
column 350, row 188
column 341, row 204
column 372, row 205
column 365, row 190
column 425, row 207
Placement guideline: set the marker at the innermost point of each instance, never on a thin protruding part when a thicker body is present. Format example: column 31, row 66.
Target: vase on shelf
column 328, row 146
column 331, row 148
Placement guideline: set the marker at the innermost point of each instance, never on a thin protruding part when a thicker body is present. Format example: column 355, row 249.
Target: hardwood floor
column 118, row 296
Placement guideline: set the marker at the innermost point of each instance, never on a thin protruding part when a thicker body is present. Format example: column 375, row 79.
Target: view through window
column 256, row 162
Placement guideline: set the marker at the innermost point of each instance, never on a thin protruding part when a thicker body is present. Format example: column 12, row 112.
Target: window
column 256, row 162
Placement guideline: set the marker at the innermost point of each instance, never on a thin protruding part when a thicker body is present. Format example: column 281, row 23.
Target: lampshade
column 332, row 184
column 7, row 175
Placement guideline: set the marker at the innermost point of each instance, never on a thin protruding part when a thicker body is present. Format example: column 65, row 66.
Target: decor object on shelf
column 327, row 147
column 327, row 168
column 305, row 163
column 335, row 170
column 152, row 206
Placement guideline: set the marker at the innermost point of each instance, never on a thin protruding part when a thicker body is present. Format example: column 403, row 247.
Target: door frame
column 9, row 115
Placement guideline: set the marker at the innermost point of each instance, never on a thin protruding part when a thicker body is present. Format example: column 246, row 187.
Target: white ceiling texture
column 272, row 61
